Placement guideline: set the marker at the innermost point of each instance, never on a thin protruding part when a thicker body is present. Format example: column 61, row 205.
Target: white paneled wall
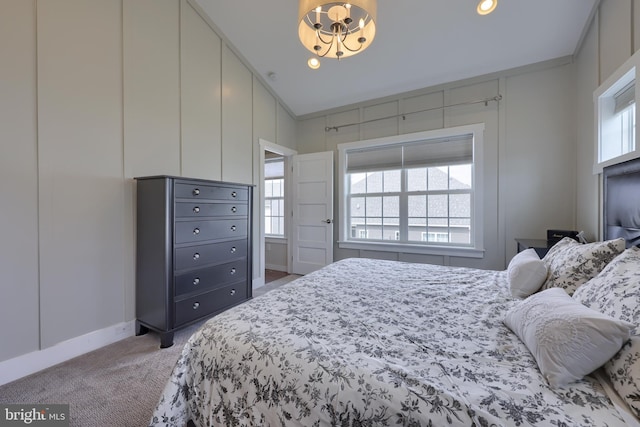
column 615, row 19
column 18, row 180
column 237, row 119
column 539, row 171
column 286, row 128
column 586, row 76
column 424, row 112
column 200, row 84
column 80, row 153
column 95, row 94
column 151, row 52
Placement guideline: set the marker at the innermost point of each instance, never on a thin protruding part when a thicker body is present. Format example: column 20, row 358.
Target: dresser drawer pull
column 196, row 231
column 196, row 209
column 196, row 305
column 234, row 209
column 196, row 191
column 234, row 228
column 233, row 292
column 196, row 256
column 196, row 281
column 234, row 194
column 233, row 249
column 232, row 271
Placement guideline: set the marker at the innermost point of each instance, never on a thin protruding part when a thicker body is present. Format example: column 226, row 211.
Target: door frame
column 287, row 153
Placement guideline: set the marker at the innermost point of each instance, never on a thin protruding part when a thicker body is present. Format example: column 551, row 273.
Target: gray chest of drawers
column 193, row 251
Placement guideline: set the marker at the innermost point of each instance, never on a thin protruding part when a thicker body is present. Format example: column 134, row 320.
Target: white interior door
column 312, row 222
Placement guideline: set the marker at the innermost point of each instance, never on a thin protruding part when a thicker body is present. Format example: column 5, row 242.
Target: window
column 274, row 197
column 618, row 123
column 620, row 129
column 616, row 117
column 413, row 193
column 433, row 236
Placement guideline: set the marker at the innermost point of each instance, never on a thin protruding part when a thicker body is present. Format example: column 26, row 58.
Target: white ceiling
column 418, row 44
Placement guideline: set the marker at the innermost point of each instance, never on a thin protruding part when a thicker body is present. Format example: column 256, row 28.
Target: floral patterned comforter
column 373, row 343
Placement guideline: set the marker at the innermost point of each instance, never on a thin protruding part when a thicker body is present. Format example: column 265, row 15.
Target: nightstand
column 539, row 245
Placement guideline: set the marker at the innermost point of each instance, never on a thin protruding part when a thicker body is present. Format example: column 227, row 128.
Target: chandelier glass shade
column 337, row 30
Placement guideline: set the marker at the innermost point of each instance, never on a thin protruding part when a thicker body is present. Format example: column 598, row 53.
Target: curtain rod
column 481, row 101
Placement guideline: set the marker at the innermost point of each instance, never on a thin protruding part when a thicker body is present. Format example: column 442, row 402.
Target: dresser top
column 186, row 178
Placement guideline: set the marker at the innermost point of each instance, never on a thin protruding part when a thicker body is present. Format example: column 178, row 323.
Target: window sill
column 414, row 249
column 599, row 167
column 273, row 239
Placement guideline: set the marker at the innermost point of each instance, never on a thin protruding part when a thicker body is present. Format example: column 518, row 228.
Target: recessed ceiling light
column 313, row 63
column 485, row 7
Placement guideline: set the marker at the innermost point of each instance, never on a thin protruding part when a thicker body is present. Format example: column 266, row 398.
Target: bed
column 367, row 342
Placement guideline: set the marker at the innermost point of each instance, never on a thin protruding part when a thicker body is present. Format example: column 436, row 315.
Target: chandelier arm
column 329, row 46
column 349, row 49
column 352, row 50
column 349, row 32
column 323, row 40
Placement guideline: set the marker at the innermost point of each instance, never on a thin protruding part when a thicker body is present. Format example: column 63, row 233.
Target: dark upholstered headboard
column 622, row 202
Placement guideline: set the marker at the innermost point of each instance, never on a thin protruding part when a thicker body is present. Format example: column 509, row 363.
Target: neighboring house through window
column 274, row 197
column 415, row 193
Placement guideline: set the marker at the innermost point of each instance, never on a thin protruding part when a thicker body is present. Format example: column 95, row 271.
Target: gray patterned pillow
column 616, row 293
column 571, row 264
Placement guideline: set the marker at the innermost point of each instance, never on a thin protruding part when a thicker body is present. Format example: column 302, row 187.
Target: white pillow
column 526, row 272
column 567, row 339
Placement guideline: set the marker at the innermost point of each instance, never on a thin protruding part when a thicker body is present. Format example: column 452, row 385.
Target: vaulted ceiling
column 418, row 44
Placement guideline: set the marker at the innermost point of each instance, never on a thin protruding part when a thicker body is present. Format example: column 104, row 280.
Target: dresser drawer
column 198, row 231
column 197, row 209
column 209, row 192
column 211, row 277
column 209, row 302
column 214, row 253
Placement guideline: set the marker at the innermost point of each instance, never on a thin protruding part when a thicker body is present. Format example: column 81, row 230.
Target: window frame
column 283, row 198
column 475, row 250
column 604, row 104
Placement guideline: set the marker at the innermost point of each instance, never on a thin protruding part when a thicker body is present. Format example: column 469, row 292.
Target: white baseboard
column 276, row 267
column 258, row 283
column 27, row 364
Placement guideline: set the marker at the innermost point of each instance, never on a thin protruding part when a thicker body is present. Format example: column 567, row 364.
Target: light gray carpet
column 117, row 385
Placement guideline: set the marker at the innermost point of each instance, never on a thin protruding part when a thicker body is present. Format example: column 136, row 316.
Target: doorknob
column 328, row 221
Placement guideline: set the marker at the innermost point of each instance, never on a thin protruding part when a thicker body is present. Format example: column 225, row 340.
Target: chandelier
column 337, row 30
